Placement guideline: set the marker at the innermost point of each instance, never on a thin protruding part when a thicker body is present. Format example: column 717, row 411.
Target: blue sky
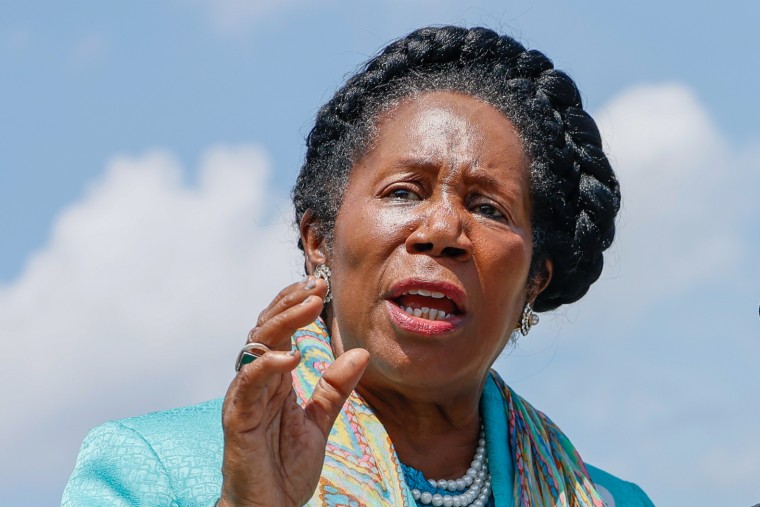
column 146, row 154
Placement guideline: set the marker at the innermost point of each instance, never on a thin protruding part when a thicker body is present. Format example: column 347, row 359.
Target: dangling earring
column 528, row 320
column 323, row 272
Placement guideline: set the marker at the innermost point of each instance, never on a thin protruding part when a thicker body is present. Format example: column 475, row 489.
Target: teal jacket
column 174, row 458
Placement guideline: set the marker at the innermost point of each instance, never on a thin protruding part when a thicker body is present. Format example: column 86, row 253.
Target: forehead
column 448, row 128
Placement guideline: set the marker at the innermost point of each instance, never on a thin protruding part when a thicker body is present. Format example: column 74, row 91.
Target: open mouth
column 427, row 304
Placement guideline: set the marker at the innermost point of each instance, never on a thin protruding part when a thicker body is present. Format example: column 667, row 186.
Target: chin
column 421, row 377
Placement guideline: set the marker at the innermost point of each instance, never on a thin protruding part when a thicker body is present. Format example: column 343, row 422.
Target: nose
column 440, row 232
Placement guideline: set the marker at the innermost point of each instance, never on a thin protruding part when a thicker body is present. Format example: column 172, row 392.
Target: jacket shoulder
column 169, row 458
column 179, row 427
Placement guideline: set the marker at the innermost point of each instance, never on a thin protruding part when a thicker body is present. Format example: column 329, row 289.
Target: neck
column 433, row 429
column 437, row 438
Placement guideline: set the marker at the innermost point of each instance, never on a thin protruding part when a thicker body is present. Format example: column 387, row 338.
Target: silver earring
column 528, row 320
column 323, row 272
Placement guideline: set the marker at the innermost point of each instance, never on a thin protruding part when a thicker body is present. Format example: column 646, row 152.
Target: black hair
column 574, row 191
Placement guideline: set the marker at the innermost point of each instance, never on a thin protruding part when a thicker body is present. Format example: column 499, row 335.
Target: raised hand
column 274, row 448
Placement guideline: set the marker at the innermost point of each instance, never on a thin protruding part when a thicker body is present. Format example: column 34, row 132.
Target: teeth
column 427, row 293
column 426, row 313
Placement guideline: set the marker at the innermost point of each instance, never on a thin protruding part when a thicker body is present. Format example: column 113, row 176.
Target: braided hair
column 574, row 191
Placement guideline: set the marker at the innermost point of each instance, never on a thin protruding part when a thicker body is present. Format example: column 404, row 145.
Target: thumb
column 334, row 387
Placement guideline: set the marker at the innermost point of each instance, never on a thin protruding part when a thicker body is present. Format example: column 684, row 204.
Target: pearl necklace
column 476, row 481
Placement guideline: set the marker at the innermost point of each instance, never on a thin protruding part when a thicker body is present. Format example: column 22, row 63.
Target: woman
column 451, row 188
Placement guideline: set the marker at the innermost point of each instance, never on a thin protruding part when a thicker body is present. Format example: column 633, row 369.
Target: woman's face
column 436, row 222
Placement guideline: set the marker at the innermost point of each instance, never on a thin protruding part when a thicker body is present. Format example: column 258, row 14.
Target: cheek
column 510, row 262
column 369, row 235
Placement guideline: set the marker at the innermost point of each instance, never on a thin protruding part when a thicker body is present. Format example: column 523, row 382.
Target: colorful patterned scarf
column 361, row 467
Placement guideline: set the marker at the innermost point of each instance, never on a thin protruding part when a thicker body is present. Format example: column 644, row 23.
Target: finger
column 258, row 384
column 277, row 330
column 334, row 387
column 293, row 295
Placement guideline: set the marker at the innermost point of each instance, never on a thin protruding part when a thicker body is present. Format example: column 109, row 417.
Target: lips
column 426, row 307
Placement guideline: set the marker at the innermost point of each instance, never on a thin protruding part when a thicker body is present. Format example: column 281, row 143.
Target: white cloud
column 140, row 300
column 679, row 221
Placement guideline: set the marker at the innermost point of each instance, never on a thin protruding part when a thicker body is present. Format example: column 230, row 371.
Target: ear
column 314, row 246
column 541, row 280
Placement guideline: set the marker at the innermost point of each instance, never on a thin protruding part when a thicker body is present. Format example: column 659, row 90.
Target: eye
column 403, row 194
column 488, row 210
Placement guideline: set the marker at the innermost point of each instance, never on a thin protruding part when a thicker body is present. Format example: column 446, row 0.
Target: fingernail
column 306, row 301
column 311, row 282
column 292, row 352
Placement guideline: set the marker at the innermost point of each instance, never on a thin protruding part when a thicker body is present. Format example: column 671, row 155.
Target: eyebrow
column 486, row 179
column 422, row 163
